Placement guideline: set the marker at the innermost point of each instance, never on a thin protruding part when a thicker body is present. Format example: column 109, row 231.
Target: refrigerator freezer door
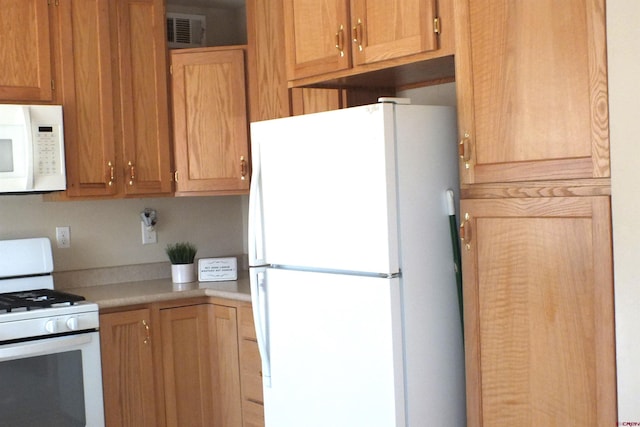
column 327, row 189
column 335, row 351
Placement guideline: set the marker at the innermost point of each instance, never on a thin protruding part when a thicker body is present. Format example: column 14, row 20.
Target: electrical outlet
column 149, row 236
column 63, row 236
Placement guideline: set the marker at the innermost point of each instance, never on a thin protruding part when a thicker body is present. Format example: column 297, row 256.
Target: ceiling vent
column 185, row 30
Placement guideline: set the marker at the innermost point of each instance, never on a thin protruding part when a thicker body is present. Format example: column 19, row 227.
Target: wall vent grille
column 185, row 30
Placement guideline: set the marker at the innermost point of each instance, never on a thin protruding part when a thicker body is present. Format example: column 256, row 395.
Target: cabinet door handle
column 132, row 173
column 465, row 231
column 112, row 177
column 243, row 168
column 464, row 150
column 147, row 338
column 340, row 40
column 356, row 34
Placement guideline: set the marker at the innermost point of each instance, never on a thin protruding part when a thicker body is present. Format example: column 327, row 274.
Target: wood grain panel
column 268, row 95
column 127, row 369
column 209, row 148
column 251, row 371
column 253, row 415
column 533, row 78
column 312, row 30
column 84, row 84
column 538, row 291
column 143, row 97
column 25, row 56
column 392, row 29
column 227, row 368
column 200, row 364
column 306, row 101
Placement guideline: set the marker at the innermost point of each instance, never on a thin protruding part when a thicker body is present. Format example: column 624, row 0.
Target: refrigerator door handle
column 255, row 229
column 258, row 285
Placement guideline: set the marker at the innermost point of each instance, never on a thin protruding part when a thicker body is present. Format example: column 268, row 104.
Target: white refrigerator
column 351, row 268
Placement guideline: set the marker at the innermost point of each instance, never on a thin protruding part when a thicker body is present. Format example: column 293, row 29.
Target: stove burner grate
column 37, row 298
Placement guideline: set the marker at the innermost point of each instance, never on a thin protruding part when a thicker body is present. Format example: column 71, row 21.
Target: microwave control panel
column 46, row 154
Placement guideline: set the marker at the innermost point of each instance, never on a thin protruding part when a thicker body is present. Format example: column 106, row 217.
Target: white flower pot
column 183, row 273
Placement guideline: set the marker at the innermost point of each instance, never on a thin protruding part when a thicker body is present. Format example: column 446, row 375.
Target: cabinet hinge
column 436, row 25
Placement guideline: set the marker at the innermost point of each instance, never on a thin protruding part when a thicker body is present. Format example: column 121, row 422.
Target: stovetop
column 36, row 299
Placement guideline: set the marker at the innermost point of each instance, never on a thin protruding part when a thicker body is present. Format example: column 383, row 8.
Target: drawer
column 252, row 414
column 250, row 371
column 245, row 319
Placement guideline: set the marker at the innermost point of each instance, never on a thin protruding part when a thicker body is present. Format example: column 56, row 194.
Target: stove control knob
column 51, row 326
column 72, row 323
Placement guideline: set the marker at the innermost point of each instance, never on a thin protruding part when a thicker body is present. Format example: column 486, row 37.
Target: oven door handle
column 45, row 346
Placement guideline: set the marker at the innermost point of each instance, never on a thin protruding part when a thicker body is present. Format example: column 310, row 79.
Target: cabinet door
column 200, row 364
column 83, row 61
column 539, row 321
column 266, row 70
column 532, row 90
column 127, row 369
column 141, row 95
column 317, row 37
column 210, row 121
column 390, row 29
column 25, row 56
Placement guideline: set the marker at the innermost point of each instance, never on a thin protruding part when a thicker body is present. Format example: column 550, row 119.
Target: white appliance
column 31, row 148
column 49, row 344
column 352, row 276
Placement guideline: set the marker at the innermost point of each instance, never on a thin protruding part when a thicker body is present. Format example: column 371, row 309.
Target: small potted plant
column 182, row 256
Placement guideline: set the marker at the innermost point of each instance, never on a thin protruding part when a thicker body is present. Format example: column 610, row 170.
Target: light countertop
column 148, row 291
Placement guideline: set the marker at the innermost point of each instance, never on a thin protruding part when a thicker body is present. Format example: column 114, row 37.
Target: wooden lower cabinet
column 539, row 320
column 127, row 369
column 200, row 366
column 181, row 363
column 250, row 370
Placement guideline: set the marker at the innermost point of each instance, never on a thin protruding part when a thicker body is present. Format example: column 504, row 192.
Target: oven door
column 52, row 382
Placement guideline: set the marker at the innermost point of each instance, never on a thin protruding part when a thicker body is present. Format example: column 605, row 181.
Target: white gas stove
column 29, row 306
column 49, row 344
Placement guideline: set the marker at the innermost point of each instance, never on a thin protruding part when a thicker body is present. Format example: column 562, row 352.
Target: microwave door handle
column 29, row 141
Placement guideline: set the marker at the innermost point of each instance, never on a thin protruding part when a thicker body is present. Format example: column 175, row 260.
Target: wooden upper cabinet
column 317, row 37
column 532, row 90
column 390, row 29
column 110, row 59
column 83, row 64
column 210, row 121
column 142, row 95
column 333, row 35
column 539, row 319
column 25, row 55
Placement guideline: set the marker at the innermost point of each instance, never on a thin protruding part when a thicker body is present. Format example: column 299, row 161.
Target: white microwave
column 31, row 149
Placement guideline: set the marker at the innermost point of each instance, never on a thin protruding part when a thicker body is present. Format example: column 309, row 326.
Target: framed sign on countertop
column 217, row 269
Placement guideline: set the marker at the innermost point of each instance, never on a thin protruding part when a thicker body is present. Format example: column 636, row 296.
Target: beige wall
column 107, row 233
column 623, row 33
